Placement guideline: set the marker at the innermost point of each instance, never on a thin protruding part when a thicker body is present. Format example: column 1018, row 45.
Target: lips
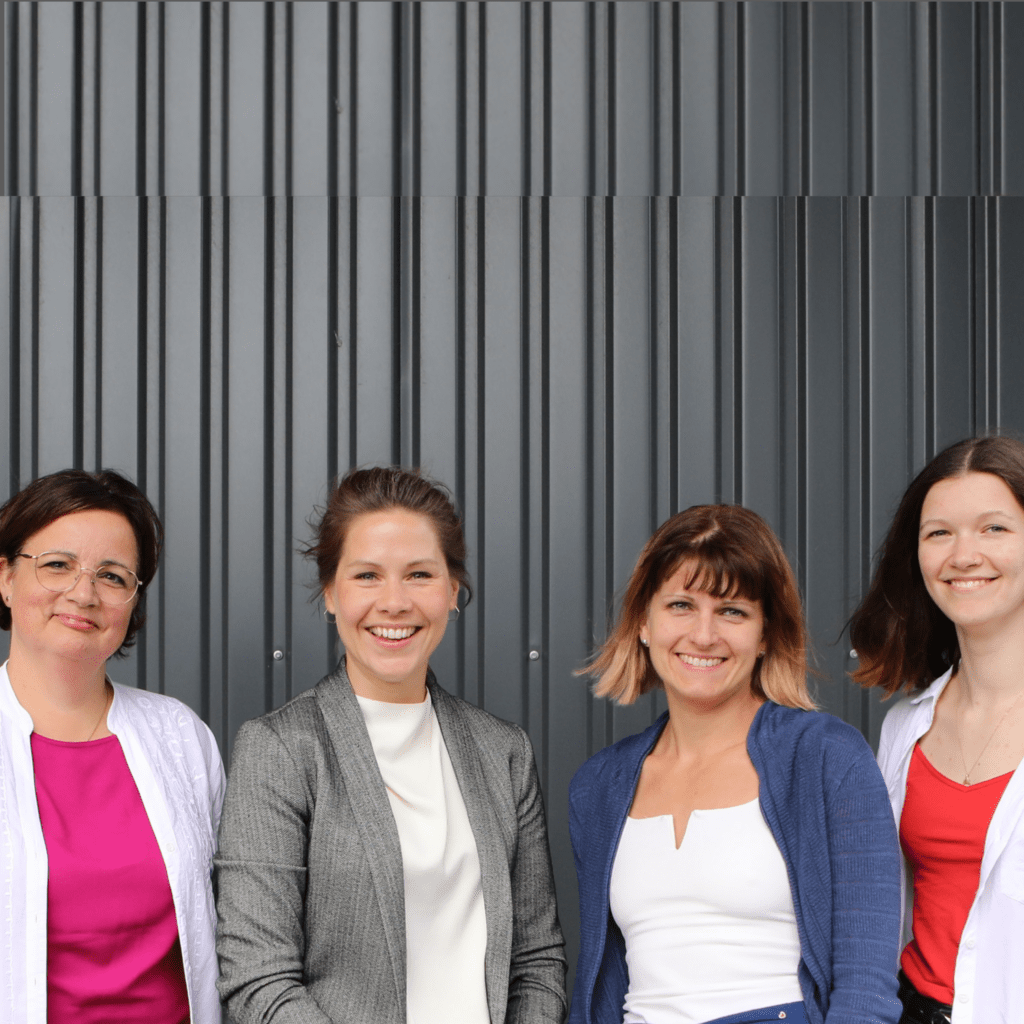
column 392, row 634
column 965, row 584
column 77, row 622
column 694, row 661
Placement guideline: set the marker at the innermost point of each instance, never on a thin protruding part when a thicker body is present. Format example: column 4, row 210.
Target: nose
column 84, row 590
column 965, row 550
column 393, row 596
column 705, row 628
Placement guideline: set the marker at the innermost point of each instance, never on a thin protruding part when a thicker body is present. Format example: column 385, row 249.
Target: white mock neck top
column 445, row 926
column 710, row 928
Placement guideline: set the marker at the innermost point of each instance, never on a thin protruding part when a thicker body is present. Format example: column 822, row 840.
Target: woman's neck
column 695, row 729
column 991, row 669
column 66, row 700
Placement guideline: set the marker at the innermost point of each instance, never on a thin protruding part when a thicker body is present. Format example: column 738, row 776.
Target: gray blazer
column 309, row 882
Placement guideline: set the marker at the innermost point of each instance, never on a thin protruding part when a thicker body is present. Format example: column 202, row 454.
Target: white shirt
column 175, row 763
column 445, row 924
column 988, row 982
column 710, row 927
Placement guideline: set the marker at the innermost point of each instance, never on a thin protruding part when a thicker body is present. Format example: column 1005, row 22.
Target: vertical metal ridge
column 12, row 105
column 545, row 466
column 97, row 116
column 674, row 242
column 482, row 114
column 140, row 117
column 396, row 330
column 461, row 277
column 353, row 106
column 547, row 115
column 397, row 82
column 972, row 293
column 591, row 75
column 998, row 87
column 977, row 83
column 205, row 99
column 269, row 416
column 225, row 101
column 612, row 113
column 77, row 61
column 738, row 286
column 652, row 358
column 677, row 102
column 289, row 120
column 910, row 425
column 590, row 426
column 930, row 298
column 36, row 260
column 719, row 343
column 415, row 119
column 141, row 370
column 269, row 126
column 353, row 325
column 802, row 384
column 288, row 415
column 655, row 97
column 804, row 184
column 162, row 411
column 78, row 356
column 869, row 99
column 161, row 143
column 33, row 102
column 720, row 90
column 415, row 287
column 461, row 60
column 98, row 372
column 609, row 413
column 224, row 526
column 526, row 442
column 334, row 340
column 933, row 97
column 866, row 494
column 994, row 313
column 741, row 99
column 16, row 340
column 481, row 466
column 333, row 105
column 526, row 99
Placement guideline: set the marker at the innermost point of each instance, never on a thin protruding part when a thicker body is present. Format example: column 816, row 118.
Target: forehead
column 395, row 533
column 969, row 495
column 694, row 576
column 97, row 533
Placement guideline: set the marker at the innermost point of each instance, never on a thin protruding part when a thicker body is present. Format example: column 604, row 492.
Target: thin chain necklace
column 108, row 693
column 960, row 742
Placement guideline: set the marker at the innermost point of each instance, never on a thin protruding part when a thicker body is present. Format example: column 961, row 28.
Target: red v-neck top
column 113, row 954
column 942, row 832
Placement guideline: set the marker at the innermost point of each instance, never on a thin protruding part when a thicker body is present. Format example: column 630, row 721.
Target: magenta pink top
column 113, row 949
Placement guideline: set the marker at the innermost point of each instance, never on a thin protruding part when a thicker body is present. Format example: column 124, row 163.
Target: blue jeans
column 790, row 1013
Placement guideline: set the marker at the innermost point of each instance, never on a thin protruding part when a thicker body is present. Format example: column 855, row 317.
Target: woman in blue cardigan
column 737, row 861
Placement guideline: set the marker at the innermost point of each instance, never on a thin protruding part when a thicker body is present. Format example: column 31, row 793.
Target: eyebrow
column 980, row 515
column 408, row 565
column 71, row 554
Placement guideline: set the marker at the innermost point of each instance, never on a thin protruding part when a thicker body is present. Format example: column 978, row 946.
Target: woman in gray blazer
column 383, row 854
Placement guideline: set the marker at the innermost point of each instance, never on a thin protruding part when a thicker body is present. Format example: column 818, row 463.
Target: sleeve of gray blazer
column 261, row 884
column 536, row 990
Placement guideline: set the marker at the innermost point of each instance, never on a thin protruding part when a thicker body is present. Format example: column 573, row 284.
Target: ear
column 6, row 575
column 454, row 600
column 645, row 635
column 328, row 596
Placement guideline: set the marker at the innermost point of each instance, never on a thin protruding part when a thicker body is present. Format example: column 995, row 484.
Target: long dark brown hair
column 900, row 636
column 734, row 554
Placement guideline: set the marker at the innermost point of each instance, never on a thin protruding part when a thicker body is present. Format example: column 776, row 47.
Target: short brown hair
column 48, row 498
column 734, row 554
column 379, row 489
column 900, row 636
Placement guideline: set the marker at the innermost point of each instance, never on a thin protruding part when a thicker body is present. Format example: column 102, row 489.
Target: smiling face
column 391, row 596
column 704, row 648
column 971, row 551
column 75, row 625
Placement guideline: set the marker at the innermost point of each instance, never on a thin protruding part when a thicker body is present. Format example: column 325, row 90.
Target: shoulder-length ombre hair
column 731, row 552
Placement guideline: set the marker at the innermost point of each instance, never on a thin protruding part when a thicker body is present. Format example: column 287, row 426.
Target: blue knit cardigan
column 823, row 798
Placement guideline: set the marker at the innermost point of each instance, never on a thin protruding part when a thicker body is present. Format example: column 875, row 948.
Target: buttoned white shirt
column 177, row 768
column 988, row 983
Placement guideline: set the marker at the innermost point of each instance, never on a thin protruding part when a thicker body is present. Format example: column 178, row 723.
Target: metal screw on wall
column 534, row 655
column 278, row 655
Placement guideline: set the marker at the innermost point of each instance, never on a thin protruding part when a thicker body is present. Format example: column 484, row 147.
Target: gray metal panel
column 507, row 98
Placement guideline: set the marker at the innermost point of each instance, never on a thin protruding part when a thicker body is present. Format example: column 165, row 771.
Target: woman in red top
column 944, row 619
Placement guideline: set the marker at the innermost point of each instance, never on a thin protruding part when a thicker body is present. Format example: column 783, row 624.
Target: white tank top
column 710, row 929
column 445, row 926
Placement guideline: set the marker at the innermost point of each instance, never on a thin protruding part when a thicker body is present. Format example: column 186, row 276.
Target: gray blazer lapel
column 495, row 841
column 371, row 809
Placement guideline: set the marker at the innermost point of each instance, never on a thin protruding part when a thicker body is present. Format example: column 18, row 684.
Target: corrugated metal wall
column 577, row 366
column 515, row 98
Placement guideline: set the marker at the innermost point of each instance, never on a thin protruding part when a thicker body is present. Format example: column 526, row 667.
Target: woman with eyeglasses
column 383, row 855
column 109, row 796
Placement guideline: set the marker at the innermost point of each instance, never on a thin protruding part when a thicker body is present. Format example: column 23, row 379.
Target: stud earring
column 329, row 617
column 458, row 612
column 646, row 643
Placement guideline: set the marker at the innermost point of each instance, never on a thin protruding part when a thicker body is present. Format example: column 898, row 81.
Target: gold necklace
column 960, row 742
column 108, row 693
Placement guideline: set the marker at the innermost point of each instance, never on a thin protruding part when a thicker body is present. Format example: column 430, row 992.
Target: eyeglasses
column 58, row 572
